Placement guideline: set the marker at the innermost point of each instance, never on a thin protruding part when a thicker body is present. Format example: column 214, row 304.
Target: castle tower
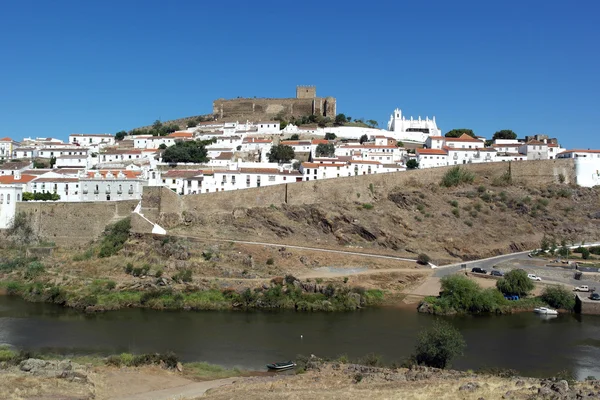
column 306, row 92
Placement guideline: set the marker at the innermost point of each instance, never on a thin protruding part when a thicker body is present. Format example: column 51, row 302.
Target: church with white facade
column 412, row 130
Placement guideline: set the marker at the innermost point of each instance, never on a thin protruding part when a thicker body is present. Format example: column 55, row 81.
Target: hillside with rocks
column 458, row 223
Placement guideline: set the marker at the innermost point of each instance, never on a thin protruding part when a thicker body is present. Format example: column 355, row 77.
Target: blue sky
column 94, row 67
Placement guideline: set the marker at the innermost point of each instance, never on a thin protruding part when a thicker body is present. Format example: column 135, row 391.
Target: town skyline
column 124, row 66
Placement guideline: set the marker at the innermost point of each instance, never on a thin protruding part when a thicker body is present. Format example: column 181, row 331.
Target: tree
column 363, row 138
column 21, row 229
column 44, row 196
column 559, row 297
column 454, row 133
column 340, row 119
column 52, row 162
column 281, row 153
column 325, row 150
column 295, row 136
column 412, row 164
column 330, row 136
column 185, row 152
column 515, row 282
column 504, row 134
column 162, row 146
column 423, row 259
column 120, row 135
column 400, row 143
column 438, row 346
column 372, row 123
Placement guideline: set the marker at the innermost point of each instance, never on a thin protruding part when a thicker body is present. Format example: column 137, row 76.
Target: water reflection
column 525, row 342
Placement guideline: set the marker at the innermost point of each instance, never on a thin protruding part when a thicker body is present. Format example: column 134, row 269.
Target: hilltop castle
column 305, row 103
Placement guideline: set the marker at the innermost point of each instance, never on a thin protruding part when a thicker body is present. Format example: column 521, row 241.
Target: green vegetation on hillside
column 28, row 196
column 457, row 176
column 186, row 152
column 454, row 133
column 114, row 237
column 281, row 153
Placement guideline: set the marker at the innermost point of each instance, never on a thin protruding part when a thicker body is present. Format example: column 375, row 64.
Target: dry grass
column 17, row 386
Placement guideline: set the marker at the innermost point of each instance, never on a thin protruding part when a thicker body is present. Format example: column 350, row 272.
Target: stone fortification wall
column 257, row 109
column 168, row 209
column 74, row 223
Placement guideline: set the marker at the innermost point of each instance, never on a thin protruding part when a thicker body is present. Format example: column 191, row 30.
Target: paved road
column 486, row 263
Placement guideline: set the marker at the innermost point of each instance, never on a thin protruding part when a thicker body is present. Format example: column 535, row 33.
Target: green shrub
column 423, row 259
column 559, row 297
column 515, row 282
column 129, row 269
column 456, row 212
column 457, row 176
column 438, row 346
column 481, row 189
column 34, row 269
column 585, row 253
column 368, row 206
column 114, row 237
column 110, row 285
column 183, row 276
column 270, row 261
column 454, row 203
column 371, row 359
column 468, row 223
column 564, row 192
column 158, row 273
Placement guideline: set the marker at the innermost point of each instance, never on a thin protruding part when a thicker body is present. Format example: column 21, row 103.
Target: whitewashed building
column 92, row 139
column 412, row 130
column 10, row 193
column 6, row 148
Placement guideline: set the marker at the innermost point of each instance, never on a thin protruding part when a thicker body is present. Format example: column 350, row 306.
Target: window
column 1, row 198
column 271, row 178
column 8, row 198
column 258, row 181
column 247, row 180
column 18, row 197
column 233, row 180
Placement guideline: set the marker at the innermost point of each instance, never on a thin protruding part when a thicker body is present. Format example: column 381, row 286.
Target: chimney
column 17, row 175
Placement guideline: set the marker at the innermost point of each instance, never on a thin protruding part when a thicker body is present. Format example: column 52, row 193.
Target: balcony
column 119, row 192
column 85, row 191
column 96, row 192
column 130, row 191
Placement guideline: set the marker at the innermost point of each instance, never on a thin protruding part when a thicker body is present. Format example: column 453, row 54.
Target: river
column 524, row 341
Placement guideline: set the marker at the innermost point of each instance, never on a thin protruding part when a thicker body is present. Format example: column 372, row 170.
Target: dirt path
column 191, row 390
column 353, row 253
column 340, row 272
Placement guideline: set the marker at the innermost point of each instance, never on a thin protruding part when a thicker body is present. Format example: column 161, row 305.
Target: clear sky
column 103, row 66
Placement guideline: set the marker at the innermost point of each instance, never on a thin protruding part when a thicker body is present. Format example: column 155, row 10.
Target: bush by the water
column 559, row 297
column 438, row 346
column 461, row 295
column 457, row 176
column 114, row 238
column 515, row 282
column 169, row 359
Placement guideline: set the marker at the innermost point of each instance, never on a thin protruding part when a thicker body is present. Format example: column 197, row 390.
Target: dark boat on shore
column 280, row 366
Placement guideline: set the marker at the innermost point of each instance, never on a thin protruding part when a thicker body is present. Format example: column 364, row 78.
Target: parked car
column 495, row 272
column 534, row 277
column 478, row 270
column 595, row 296
column 582, row 288
column 511, row 297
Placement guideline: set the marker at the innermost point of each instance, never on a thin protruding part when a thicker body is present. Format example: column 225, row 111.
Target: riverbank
column 95, row 378
column 282, row 293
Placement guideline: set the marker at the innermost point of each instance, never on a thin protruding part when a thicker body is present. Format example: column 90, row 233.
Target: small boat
column 545, row 310
column 280, row 366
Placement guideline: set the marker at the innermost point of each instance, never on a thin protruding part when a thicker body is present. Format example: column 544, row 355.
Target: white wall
column 9, row 195
column 588, row 171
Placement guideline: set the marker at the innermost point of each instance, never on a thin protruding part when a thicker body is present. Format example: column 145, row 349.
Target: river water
column 524, row 342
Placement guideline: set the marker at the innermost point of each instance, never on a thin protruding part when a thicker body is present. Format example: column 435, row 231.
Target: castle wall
column 257, row 109
column 78, row 223
column 173, row 209
column 74, row 223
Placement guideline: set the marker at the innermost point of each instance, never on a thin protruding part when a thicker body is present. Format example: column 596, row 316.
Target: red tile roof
column 10, row 179
column 463, row 138
column 440, row 152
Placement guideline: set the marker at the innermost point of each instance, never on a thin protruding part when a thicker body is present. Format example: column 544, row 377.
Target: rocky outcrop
column 63, row 369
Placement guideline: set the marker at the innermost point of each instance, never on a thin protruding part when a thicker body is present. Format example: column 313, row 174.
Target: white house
column 534, row 150
column 23, row 153
column 10, row 193
column 430, row 158
column 15, row 167
column 111, row 185
column 6, row 148
column 72, row 162
column 57, row 151
column 464, row 142
column 268, row 127
column 66, row 187
column 92, row 139
column 588, row 154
